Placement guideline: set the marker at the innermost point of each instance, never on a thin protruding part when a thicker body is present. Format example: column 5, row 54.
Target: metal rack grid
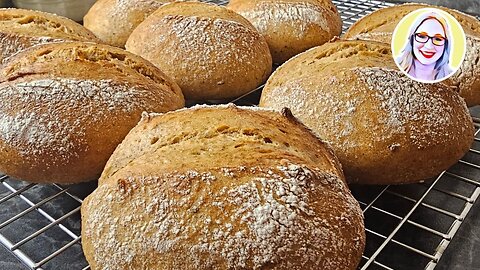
column 352, row 10
column 414, row 221
column 418, row 221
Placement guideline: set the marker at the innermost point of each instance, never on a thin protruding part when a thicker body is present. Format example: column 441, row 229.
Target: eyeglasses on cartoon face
column 437, row 39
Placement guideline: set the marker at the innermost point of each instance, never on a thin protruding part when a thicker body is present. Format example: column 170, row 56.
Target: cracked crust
column 211, row 52
column 21, row 29
column 222, row 187
column 68, row 105
column 384, row 127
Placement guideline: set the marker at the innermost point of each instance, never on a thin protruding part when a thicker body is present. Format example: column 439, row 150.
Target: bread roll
column 222, row 188
column 210, row 51
column 291, row 26
column 380, row 24
column 66, row 106
column 114, row 20
column 384, row 127
column 21, row 29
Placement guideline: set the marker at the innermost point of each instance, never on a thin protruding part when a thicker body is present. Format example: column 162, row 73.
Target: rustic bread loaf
column 384, row 127
column 222, row 188
column 21, row 29
column 114, row 20
column 210, row 51
column 66, row 106
column 291, row 26
column 380, row 24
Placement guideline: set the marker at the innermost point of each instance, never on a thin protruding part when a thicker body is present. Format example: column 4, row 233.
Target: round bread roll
column 21, row 29
column 291, row 26
column 384, row 127
column 210, row 51
column 222, row 188
column 380, row 24
column 114, row 20
column 66, row 106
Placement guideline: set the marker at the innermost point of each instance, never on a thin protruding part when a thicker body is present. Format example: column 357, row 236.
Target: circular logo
column 428, row 45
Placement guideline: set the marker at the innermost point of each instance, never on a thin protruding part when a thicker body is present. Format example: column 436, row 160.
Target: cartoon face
column 429, row 42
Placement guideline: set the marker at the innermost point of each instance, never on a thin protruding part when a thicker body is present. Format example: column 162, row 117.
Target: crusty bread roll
column 21, row 29
column 114, row 20
column 380, row 24
column 291, row 26
column 384, row 127
column 66, row 106
column 222, row 188
column 210, row 51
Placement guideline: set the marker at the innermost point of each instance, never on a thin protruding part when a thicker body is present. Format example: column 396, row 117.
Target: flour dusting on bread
column 406, row 101
column 299, row 15
column 243, row 224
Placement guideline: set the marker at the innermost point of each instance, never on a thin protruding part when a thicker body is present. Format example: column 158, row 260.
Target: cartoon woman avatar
column 426, row 56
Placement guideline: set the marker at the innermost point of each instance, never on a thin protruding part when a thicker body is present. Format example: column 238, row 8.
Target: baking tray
column 408, row 227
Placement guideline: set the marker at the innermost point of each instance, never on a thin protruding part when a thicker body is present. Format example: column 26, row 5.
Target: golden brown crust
column 114, row 20
column 291, row 26
column 384, row 127
column 20, row 29
column 233, row 188
column 380, row 24
column 67, row 106
column 210, row 51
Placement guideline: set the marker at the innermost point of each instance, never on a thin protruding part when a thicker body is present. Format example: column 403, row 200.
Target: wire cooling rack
column 408, row 227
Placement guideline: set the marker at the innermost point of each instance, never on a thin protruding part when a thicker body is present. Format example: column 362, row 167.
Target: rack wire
column 415, row 221
column 418, row 221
